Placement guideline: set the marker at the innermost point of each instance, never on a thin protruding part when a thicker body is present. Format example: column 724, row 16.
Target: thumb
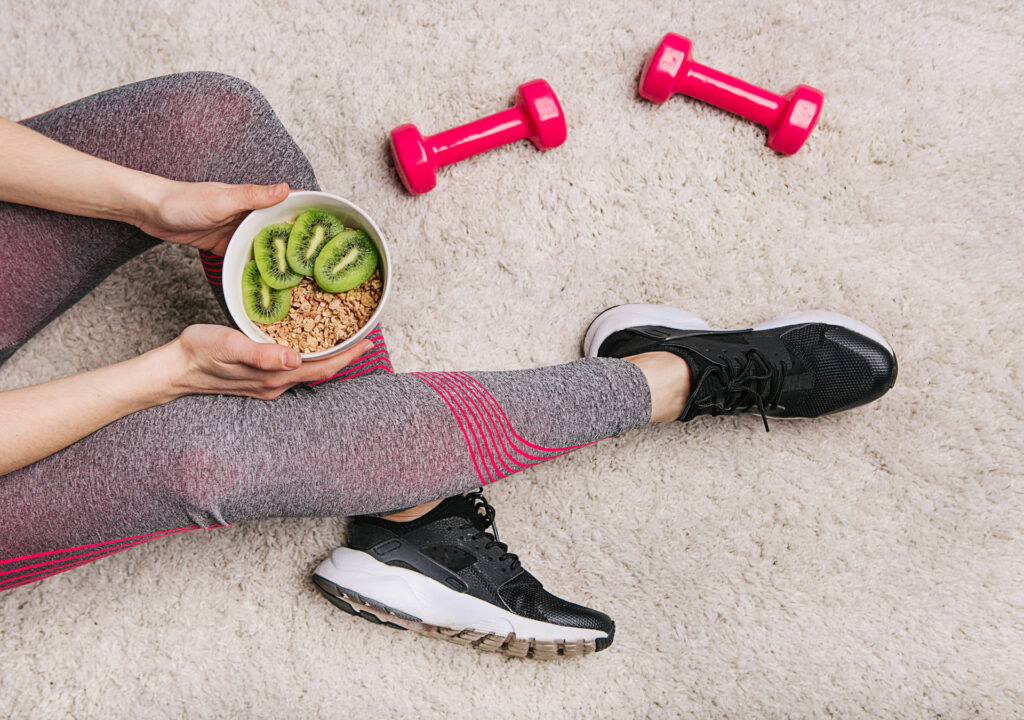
column 254, row 197
column 267, row 356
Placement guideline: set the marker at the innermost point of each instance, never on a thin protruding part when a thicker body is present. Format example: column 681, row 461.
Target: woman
column 181, row 437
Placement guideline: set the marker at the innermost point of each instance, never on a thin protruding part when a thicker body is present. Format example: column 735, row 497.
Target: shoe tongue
column 458, row 506
column 695, row 361
column 697, row 364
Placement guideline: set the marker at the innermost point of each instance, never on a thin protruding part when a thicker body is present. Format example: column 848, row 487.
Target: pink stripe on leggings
column 43, row 574
column 109, row 547
column 469, row 444
column 373, row 357
column 380, row 366
column 470, row 379
column 107, row 542
column 475, row 408
column 488, row 423
column 58, row 560
column 472, row 422
column 502, row 422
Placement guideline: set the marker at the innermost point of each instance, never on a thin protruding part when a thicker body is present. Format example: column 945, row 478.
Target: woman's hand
column 40, row 172
column 204, row 215
column 213, row 359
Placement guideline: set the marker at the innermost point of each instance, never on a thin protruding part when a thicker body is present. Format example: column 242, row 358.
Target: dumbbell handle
column 487, row 133
column 730, row 93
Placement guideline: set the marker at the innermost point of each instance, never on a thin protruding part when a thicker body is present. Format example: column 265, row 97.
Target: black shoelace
column 722, row 389
column 484, row 520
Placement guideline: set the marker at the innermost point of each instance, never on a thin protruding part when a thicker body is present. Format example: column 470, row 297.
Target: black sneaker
column 445, row 576
column 804, row 364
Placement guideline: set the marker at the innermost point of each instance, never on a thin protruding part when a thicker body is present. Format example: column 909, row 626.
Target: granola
column 319, row 320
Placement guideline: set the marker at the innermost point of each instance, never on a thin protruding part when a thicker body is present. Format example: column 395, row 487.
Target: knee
column 233, row 119
column 214, row 88
column 217, row 102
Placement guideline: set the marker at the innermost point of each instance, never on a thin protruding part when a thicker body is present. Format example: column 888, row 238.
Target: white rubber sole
column 433, row 604
column 621, row 317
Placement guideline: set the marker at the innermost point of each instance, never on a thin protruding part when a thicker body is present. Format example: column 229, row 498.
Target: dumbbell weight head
column 543, row 114
column 803, row 106
column 536, row 116
column 658, row 80
column 413, row 159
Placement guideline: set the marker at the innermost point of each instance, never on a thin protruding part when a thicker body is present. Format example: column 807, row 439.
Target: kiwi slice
column 262, row 303
column 312, row 230
column 347, row 261
column 269, row 250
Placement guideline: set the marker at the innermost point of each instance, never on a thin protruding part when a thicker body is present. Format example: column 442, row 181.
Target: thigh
column 192, row 126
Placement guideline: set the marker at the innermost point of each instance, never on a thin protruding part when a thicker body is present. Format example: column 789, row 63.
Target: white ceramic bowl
column 239, row 253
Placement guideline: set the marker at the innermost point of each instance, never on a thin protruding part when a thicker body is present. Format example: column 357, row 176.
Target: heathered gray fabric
column 364, row 445
column 370, row 444
column 193, row 126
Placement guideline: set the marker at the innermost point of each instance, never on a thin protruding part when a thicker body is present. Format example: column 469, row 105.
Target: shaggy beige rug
column 865, row 565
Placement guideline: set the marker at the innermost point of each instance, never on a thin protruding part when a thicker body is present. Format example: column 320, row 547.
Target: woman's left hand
column 204, row 215
column 40, row 172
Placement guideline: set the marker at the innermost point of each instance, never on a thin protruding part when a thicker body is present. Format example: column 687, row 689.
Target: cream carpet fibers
column 866, row 565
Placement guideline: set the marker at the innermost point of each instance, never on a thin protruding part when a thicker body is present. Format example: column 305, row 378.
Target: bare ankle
column 668, row 377
column 412, row 513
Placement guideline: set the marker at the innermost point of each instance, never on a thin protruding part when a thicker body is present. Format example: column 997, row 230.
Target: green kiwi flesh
column 311, row 232
column 347, row 261
column 268, row 248
column 262, row 303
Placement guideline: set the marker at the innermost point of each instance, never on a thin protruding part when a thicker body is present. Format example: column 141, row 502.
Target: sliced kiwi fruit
column 262, row 303
column 347, row 261
column 312, row 230
column 269, row 248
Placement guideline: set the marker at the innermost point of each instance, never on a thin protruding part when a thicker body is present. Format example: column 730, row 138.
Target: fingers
column 317, row 370
column 270, row 385
column 237, row 365
column 254, row 197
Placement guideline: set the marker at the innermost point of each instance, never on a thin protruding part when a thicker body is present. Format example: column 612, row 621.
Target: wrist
column 143, row 199
column 168, row 370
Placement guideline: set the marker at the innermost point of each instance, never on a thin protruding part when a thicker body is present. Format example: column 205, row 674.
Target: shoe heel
column 621, row 317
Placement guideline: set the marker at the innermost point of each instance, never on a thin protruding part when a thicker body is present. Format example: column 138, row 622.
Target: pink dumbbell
column 789, row 118
column 536, row 116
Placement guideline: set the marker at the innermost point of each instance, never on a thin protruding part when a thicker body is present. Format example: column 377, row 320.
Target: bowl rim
column 235, row 261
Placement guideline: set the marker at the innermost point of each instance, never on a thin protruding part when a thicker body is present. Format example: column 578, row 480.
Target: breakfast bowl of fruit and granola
column 312, row 273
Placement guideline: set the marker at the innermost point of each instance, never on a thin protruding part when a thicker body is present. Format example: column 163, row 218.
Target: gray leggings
column 368, row 442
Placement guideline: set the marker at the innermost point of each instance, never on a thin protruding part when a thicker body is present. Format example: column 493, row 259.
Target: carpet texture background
column 865, row 565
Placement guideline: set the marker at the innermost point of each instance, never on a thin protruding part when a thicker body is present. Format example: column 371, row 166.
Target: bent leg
column 193, row 126
column 371, row 444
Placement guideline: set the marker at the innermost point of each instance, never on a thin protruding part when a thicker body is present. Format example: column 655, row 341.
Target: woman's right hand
column 214, row 359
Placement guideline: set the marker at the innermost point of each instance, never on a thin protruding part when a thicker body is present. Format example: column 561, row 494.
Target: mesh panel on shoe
column 848, row 369
column 525, row 596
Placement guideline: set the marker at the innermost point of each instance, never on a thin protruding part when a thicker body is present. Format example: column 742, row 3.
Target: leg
column 192, row 126
column 444, row 573
column 373, row 443
column 380, row 442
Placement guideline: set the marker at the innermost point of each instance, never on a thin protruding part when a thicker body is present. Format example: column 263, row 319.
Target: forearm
column 38, row 421
column 40, row 172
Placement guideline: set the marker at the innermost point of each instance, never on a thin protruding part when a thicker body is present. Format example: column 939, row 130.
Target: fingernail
column 291, row 360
